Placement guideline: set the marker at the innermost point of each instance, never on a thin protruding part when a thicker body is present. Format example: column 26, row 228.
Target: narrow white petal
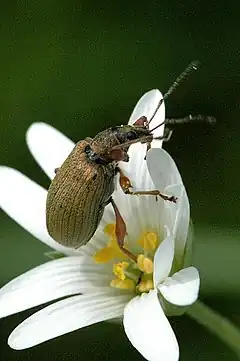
column 187, row 259
column 25, row 202
column 148, row 329
column 141, row 213
column 163, row 260
column 146, row 106
column 136, row 169
column 162, row 169
column 48, row 146
column 177, row 217
column 182, row 288
column 66, row 316
column 52, row 280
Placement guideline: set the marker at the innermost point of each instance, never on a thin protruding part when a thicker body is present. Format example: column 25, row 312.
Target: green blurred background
column 81, row 66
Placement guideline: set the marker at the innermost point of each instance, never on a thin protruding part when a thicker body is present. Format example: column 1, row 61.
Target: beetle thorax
column 103, row 142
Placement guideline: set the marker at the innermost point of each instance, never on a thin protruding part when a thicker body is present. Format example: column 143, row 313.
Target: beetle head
column 127, row 133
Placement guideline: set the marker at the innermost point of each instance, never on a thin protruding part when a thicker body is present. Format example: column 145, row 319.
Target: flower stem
column 217, row 324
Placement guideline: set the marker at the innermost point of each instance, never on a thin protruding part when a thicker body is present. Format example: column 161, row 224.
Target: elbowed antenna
column 193, row 66
column 191, row 118
column 188, row 119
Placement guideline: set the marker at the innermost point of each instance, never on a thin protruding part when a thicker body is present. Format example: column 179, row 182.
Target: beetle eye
column 131, row 135
column 90, row 153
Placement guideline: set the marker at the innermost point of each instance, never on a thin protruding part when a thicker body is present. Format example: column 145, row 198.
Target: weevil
column 85, row 182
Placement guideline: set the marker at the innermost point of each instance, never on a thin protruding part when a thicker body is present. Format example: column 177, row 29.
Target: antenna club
column 195, row 64
column 211, row 120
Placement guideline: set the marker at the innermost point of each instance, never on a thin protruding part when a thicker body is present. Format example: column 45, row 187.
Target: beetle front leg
column 121, row 231
column 167, row 134
column 126, row 186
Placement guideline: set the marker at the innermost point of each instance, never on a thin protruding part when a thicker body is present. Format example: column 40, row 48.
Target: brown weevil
column 85, row 182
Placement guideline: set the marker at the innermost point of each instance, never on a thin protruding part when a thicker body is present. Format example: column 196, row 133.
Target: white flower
column 101, row 282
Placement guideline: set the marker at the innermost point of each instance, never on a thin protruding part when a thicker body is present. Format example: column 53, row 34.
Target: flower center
column 138, row 276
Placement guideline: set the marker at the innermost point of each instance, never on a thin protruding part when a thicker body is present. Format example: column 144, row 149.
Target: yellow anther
column 110, row 229
column 117, row 251
column 126, row 284
column 119, row 268
column 148, row 241
column 145, row 264
column 145, row 286
column 104, row 255
column 112, row 250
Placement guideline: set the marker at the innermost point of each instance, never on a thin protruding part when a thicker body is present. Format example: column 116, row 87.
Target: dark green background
column 81, row 66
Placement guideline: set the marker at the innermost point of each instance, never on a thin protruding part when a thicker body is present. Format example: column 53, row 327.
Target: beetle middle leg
column 126, row 186
column 121, row 231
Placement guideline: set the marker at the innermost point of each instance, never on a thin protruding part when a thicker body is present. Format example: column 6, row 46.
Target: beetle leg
column 167, row 134
column 121, row 231
column 148, row 148
column 154, row 192
column 126, row 184
column 118, row 155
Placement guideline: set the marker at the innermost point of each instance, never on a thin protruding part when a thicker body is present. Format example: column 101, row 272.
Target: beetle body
column 84, row 184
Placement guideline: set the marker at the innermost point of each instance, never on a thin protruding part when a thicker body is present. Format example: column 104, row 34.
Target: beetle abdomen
column 76, row 199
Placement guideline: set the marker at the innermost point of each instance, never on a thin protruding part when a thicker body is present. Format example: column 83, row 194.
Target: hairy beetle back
column 77, row 197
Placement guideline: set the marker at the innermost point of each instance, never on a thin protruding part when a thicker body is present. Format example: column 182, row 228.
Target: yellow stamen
column 126, row 284
column 119, row 268
column 145, row 264
column 145, row 286
column 112, row 250
column 104, row 255
column 110, row 229
column 148, row 241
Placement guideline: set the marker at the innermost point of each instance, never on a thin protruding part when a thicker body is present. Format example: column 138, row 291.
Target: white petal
column 148, row 329
column 182, row 288
column 25, row 202
column 66, row 316
column 99, row 239
column 162, row 169
column 146, row 106
column 52, row 280
column 177, row 218
column 137, row 171
column 136, row 168
column 188, row 248
column 163, row 260
column 137, row 152
column 139, row 212
column 48, row 146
